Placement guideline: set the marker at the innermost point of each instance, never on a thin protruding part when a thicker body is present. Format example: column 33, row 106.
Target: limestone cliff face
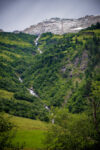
column 61, row 26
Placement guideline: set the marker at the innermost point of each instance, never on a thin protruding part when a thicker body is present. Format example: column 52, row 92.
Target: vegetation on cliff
column 65, row 78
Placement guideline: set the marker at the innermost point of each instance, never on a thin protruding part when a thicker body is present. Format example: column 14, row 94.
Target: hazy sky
column 19, row 14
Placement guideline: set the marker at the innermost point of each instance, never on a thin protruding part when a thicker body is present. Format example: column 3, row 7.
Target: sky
column 20, row 14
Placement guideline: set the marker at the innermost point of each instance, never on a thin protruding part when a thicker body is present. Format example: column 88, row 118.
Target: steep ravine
column 32, row 92
column 36, row 43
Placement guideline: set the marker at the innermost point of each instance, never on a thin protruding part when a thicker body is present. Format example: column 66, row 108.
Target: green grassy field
column 29, row 132
column 6, row 94
column 31, row 138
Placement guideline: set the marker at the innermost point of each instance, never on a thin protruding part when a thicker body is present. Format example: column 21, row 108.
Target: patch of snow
column 79, row 28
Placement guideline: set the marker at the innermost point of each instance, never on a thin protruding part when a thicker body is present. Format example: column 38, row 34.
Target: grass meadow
column 29, row 133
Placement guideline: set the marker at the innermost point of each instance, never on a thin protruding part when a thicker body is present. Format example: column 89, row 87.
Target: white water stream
column 39, row 51
column 20, row 80
column 46, row 107
column 53, row 121
column 32, row 92
column 36, row 43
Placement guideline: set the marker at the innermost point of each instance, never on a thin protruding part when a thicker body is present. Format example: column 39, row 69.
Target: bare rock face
column 61, row 26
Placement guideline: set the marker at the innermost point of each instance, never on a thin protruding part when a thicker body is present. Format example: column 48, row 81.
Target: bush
column 70, row 132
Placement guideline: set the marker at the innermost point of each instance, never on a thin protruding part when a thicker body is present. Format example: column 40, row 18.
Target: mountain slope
column 60, row 75
column 17, row 52
column 61, row 26
column 62, row 69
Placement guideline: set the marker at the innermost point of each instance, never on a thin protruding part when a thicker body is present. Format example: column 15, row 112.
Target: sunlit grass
column 57, row 37
column 12, row 54
column 5, row 94
column 29, row 124
column 4, row 56
column 12, row 42
column 31, row 138
column 29, row 132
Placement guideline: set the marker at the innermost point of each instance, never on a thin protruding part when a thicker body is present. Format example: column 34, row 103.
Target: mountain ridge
column 62, row 26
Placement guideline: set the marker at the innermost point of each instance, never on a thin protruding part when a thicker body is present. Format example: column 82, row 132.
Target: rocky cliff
column 61, row 26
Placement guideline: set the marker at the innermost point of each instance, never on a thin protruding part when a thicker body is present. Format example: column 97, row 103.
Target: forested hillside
column 61, row 76
column 68, row 63
column 54, row 77
column 17, row 53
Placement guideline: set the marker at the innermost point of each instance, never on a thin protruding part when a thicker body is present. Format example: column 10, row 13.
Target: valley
column 50, row 87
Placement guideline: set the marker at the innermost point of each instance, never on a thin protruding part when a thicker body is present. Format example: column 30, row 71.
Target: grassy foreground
column 29, row 132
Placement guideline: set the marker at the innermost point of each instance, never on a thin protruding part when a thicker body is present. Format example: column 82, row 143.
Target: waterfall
column 32, row 92
column 36, row 43
column 20, row 79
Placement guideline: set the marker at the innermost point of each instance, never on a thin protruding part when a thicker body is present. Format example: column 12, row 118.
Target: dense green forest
column 17, row 53
column 66, row 79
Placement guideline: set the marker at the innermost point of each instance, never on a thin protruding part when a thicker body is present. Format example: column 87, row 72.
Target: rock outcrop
column 61, row 26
